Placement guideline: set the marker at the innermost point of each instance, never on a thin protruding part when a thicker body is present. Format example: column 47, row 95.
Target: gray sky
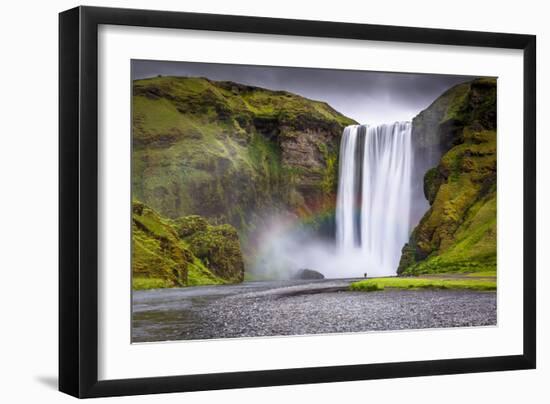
column 367, row 97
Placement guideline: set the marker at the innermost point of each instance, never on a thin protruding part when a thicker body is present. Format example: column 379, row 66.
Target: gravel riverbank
column 300, row 307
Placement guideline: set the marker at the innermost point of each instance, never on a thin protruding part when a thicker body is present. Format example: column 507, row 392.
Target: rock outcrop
column 183, row 252
column 458, row 232
column 309, row 274
column 217, row 247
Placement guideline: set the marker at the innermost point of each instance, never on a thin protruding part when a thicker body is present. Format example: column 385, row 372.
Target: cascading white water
column 374, row 195
column 346, row 204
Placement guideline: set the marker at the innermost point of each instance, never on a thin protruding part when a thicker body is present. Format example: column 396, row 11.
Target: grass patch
column 375, row 284
column 200, row 275
column 149, row 283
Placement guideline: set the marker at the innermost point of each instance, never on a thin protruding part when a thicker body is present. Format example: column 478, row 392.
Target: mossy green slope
column 227, row 151
column 217, row 247
column 164, row 257
column 458, row 233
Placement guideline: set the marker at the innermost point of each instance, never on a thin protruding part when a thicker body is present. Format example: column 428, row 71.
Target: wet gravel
column 298, row 308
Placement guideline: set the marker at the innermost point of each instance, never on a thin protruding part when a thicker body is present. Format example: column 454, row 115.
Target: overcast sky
column 367, row 97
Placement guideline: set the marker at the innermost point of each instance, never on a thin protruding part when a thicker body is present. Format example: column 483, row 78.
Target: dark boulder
column 308, row 274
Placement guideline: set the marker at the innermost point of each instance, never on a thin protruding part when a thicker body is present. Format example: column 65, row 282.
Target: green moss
column 329, row 182
column 165, row 254
column 432, row 181
column 199, row 274
column 188, row 225
column 458, row 233
column 219, row 249
column 377, row 284
column 149, row 283
column 455, row 108
column 366, row 286
column 158, row 121
column 215, row 149
column 290, row 108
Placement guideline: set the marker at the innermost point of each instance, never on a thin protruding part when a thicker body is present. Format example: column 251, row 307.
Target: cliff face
column 186, row 252
column 227, row 151
column 432, row 134
column 458, row 232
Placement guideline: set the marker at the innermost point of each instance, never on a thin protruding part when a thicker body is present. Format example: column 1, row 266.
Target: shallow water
column 300, row 307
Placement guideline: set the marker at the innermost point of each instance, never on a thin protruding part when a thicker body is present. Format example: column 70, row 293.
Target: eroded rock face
column 300, row 150
column 311, row 158
column 458, row 232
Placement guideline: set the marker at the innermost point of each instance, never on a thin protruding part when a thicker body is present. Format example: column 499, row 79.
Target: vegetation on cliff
column 233, row 155
column 228, row 151
column 217, row 247
column 172, row 253
column 458, row 233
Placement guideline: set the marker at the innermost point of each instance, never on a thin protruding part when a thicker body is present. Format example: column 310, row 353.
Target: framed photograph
column 251, row 201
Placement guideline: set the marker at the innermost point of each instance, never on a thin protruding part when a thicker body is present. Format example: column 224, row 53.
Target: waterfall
column 374, row 195
column 346, row 204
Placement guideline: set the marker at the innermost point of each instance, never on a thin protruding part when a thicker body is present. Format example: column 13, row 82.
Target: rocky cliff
column 228, row 152
column 183, row 252
column 458, row 232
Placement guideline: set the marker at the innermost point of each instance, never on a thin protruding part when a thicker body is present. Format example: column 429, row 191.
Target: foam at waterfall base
column 285, row 249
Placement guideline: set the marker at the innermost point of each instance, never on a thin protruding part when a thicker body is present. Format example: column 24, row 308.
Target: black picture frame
column 78, row 201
